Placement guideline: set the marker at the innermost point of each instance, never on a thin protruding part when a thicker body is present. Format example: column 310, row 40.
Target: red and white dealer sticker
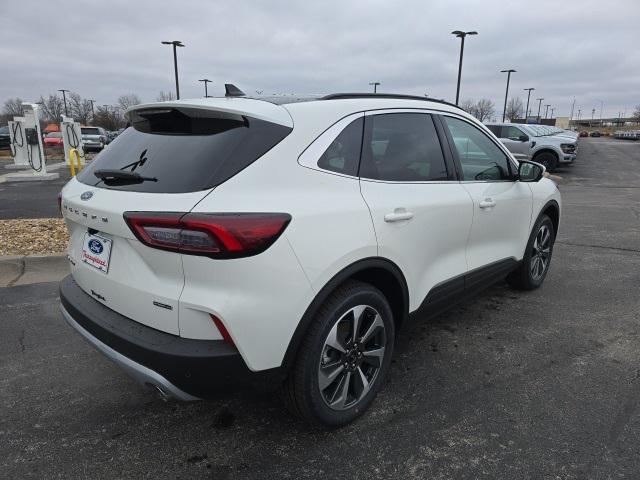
column 96, row 251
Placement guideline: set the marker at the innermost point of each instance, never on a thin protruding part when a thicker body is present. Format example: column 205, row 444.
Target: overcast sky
column 582, row 48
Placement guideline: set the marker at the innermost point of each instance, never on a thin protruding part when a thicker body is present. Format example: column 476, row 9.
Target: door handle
column 487, row 203
column 398, row 215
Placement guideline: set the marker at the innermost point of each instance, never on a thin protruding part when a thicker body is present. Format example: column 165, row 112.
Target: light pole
column 506, row 93
column 546, row 110
column 461, row 35
column 375, row 86
column 552, row 110
column 64, row 98
column 175, row 43
column 579, row 114
column 205, row 81
column 539, row 106
column 526, row 112
column 92, row 112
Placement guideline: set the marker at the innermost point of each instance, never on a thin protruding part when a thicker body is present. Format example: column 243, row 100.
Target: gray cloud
column 587, row 49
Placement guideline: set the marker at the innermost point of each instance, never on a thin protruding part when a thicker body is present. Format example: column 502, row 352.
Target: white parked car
column 221, row 242
column 537, row 142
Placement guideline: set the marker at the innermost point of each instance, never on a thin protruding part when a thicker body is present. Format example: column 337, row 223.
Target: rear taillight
column 60, row 203
column 215, row 235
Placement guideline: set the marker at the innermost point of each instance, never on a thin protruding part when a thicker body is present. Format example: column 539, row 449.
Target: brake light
column 215, row 235
column 60, row 203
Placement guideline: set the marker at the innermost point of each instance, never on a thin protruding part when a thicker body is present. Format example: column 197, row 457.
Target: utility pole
column 64, row 98
column 572, row 106
column 375, row 86
column 205, row 81
column 539, row 106
column 92, row 112
column 461, row 35
column 526, row 112
column 506, row 92
column 175, row 43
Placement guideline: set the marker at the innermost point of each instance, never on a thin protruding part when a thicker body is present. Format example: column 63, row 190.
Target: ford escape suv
column 225, row 242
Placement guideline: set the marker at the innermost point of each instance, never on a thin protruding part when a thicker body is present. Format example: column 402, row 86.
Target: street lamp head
column 204, row 80
column 177, row 43
column 511, row 70
column 460, row 33
column 528, row 89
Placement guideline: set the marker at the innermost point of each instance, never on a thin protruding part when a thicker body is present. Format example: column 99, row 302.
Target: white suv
column 225, row 242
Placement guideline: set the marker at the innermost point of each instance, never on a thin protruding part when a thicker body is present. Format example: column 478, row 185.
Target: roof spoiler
column 230, row 90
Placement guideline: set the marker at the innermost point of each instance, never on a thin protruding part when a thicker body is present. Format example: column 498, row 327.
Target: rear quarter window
column 183, row 153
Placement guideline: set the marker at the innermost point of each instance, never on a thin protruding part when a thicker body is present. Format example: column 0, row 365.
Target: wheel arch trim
column 339, row 278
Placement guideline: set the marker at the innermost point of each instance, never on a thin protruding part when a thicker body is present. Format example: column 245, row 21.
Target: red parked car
column 53, row 139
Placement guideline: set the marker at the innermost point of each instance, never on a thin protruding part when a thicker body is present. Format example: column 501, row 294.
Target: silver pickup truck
column 546, row 145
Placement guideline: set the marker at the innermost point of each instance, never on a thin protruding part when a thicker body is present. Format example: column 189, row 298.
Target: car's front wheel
column 344, row 357
column 548, row 159
column 537, row 257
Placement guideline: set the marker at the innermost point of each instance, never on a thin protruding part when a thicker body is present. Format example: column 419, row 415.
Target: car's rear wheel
column 344, row 357
column 537, row 258
column 548, row 159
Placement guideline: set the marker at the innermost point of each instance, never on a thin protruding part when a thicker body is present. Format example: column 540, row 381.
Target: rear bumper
column 182, row 368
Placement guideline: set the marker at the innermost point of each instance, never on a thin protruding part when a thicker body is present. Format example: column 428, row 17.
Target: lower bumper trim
column 138, row 372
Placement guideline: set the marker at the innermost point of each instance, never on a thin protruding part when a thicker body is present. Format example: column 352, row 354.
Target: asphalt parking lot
column 509, row 385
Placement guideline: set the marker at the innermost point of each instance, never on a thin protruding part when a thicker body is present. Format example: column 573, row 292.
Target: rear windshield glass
column 90, row 131
column 54, row 135
column 178, row 153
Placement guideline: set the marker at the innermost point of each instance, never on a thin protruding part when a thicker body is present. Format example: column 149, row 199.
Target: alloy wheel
column 541, row 253
column 351, row 358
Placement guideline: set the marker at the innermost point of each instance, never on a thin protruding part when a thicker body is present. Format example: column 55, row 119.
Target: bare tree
column 514, row 109
column 79, row 108
column 128, row 100
column 165, row 96
column 484, row 109
column 108, row 117
column 52, row 108
column 12, row 108
column 468, row 106
column 636, row 114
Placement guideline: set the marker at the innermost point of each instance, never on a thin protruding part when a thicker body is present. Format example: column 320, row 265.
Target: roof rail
column 343, row 96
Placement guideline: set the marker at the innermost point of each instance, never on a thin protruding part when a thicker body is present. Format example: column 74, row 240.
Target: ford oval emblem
column 95, row 246
column 86, row 195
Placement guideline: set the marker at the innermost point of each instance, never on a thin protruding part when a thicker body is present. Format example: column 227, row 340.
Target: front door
column 502, row 206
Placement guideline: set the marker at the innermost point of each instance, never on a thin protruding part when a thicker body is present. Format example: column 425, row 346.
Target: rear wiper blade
column 120, row 176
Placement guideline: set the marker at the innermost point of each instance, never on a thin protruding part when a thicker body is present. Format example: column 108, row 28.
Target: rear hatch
column 172, row 157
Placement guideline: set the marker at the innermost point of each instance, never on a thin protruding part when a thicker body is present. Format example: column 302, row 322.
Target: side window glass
column 343, row 155
column 480, row 158
column 402, row 147
column 496, row 130
column 513, row 133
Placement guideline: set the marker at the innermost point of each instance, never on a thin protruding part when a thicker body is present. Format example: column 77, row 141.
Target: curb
column 26, row 269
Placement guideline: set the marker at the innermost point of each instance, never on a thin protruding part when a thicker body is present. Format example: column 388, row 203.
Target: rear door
column 421, row 214
column 180, row 155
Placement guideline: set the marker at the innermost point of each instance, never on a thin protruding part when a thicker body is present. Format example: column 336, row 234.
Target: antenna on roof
column 230, row 90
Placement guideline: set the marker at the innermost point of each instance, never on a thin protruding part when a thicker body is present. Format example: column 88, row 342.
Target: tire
column 548, row 159
column 328, row 359
column 537, row 260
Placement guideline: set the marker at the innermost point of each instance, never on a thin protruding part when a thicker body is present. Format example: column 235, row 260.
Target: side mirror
column 530, row 171
column 523, row 138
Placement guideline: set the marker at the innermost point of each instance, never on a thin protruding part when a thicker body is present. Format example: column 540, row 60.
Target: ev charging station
column 72, row 139
column 26, row 147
